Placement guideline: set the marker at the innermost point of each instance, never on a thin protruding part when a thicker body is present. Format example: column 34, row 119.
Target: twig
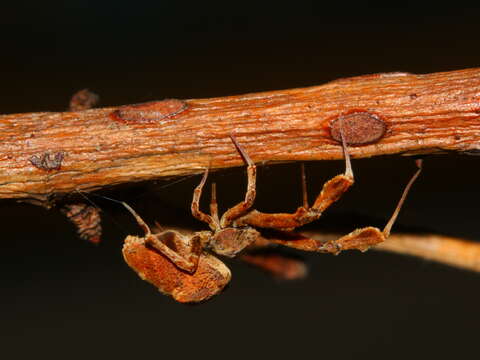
column 44, row 154
column 447, row 250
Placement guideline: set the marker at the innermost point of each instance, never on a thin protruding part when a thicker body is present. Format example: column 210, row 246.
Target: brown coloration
column 276, row 126
column 234, row 232
column 83, row 100
column 287, row 238
column 47, row 161
column 359, row 239
column 87, row 220
column 149, row 112
column 360, row 128
column 85, row 217
column 209, row 279
column 279, row 266
column 331, row 192
column 183, row 251
column 451, row 251
column 231, row 241
column 447, row 250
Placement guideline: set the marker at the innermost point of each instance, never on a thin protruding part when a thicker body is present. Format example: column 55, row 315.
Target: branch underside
column 43, row 154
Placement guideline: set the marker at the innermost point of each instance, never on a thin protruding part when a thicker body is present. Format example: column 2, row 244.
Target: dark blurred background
column 64, row 298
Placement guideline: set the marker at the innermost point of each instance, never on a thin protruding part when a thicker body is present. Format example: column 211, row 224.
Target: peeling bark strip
column 149, row 112
column 276, row 126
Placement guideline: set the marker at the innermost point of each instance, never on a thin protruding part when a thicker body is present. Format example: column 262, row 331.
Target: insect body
column 177, row 264
column 181, row 265
column 209, row 278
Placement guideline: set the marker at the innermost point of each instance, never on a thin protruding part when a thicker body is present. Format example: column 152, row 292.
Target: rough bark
column 43, row 154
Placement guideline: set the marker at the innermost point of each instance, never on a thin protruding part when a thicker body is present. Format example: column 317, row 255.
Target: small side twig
column 447, row 250
column 443, row 249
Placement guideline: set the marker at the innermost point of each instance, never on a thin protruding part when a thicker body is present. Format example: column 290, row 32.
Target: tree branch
column 43, row 154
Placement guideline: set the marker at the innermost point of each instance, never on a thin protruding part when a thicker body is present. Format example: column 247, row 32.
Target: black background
column 61, row 297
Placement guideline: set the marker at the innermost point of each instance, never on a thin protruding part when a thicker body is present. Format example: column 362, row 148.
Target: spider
column 181, row 265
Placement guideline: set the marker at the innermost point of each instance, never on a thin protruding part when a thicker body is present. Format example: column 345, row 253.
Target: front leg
column 243, row 207
column 181, row 250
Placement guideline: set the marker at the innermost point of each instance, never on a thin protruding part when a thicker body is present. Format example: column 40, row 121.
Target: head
column 230, row 241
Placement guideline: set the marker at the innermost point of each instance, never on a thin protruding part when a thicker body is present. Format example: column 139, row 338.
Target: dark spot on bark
column 149, row 112
column 413, row 96
column 358, row 128
column 48, row 161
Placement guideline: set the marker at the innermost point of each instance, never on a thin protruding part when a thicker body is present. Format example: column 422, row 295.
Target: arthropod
column 184, row 267
column 86, row 219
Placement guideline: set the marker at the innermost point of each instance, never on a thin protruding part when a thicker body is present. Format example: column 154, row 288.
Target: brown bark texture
column 48, row 153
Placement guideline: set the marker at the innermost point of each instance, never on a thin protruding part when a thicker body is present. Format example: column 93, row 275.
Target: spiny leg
column 197, row 193
column 332, row 191
column 241, row 208
column 175, row 240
